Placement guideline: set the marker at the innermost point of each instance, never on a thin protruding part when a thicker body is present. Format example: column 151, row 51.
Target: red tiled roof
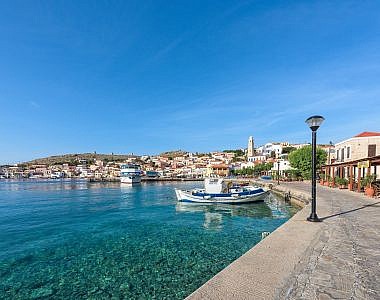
column 367, row 134
column 220, row 166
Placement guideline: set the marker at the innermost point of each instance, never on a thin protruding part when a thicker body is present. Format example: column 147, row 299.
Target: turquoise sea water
column 70, row 239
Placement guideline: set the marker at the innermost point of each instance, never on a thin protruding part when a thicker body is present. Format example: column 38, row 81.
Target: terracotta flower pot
column 369, row 191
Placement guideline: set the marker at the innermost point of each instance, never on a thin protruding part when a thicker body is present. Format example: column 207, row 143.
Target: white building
column 284, row 166
column 259, row 158
column 268, row 148
column 299, row 146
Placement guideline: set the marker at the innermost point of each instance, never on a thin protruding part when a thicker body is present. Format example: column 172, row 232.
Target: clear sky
column 150, row 76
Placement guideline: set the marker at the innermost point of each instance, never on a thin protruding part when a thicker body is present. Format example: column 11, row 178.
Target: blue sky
column 151, row 76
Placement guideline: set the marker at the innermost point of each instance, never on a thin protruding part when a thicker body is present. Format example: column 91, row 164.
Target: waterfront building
column 98, row 174
column 365, row 144
column 3, row 171
column 93, row 167
column 222, row 170
column 356, row 158
column 244, row 165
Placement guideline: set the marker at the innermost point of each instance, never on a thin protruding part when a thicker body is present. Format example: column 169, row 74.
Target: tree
column 301, row 160
column 288, row 149
column 237, row 152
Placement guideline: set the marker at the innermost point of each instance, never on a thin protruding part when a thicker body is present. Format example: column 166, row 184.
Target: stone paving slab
column 336, row 259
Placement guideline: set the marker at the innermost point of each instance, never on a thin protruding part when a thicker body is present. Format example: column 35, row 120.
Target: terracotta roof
column 220, row 166
column 367, row 134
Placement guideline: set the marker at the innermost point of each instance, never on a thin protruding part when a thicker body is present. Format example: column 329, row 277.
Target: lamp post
column 278, row 172
column 314, row 122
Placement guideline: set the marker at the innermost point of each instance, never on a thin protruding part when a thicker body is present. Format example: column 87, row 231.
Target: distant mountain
column 74, row 159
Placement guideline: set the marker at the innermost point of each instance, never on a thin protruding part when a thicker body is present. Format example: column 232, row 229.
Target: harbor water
column 74, row 239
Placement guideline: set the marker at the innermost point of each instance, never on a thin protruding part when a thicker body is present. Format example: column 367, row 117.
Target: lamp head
column 314, row 122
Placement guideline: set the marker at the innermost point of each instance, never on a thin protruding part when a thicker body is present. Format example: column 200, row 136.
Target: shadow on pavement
column 349, row 211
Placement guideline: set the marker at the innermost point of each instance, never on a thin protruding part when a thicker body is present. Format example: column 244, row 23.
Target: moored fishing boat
column 217, row 190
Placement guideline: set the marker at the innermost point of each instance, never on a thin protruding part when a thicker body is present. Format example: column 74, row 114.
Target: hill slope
column 74, row 158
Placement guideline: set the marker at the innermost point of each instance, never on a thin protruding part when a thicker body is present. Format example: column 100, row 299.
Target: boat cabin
column 215, row 185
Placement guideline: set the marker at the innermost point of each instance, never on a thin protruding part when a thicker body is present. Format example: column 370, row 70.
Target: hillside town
column 268, row 159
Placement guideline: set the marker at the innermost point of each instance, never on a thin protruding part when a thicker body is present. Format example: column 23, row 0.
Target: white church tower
column 251, row 145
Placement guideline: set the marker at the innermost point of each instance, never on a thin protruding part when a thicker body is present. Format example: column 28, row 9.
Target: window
column 348, row 152
column 337, row 155
column 342, row 154
column 371, row 150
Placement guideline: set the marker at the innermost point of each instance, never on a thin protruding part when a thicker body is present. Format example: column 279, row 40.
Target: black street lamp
column 278, row 172
column 314, row 122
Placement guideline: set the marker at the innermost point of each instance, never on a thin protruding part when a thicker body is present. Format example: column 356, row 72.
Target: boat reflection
column 213, row 221
column 43, row 184
column 214, row 213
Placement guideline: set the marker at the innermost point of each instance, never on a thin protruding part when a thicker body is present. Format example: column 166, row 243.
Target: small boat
column 130, row 174
column 218, row 191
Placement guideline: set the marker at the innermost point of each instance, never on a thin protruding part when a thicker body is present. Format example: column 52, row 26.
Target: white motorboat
column 217, row 190
column 130, row 174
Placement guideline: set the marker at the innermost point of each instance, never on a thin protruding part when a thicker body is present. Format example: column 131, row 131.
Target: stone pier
column 338, row 258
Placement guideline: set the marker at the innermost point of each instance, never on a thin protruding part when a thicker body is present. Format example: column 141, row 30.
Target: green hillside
column 74, row 159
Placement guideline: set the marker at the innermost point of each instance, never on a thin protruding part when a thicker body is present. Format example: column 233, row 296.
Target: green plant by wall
column 341, row 181
column 368, row 180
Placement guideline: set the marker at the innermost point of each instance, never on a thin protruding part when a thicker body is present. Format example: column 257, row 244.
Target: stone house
column 363, row 145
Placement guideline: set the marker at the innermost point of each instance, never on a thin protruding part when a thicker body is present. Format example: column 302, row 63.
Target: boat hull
column 186, row 196
column 130, row 180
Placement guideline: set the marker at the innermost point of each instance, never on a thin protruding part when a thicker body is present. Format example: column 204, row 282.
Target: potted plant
column 287, row 176
column 367, row 184
column 322, row 178
column 351, row 185
column 344, row 183
column 326, row 182
column 331, row 182
column 294, row 173
column 341, row 182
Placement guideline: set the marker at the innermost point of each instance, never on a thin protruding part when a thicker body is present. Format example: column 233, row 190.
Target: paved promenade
column 336, row 259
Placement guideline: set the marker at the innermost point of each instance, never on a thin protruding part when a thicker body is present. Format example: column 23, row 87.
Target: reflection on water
column 43, row 184
column 214, row 214
column 213, row 221
column 244, row 210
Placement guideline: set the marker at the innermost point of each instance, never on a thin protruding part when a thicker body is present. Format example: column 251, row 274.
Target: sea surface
column 79, row 240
